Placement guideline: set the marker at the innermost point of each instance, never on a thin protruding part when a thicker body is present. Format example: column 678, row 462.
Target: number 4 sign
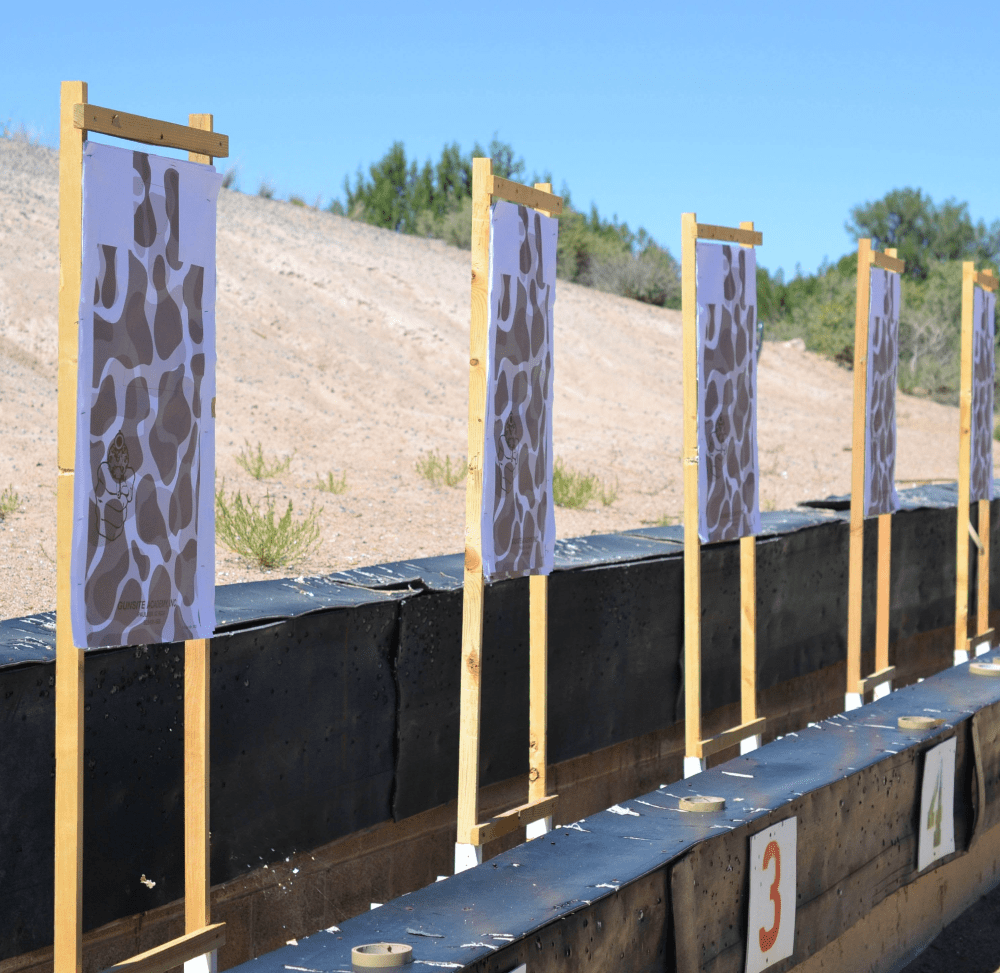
column 771, row 928
column 937, row 805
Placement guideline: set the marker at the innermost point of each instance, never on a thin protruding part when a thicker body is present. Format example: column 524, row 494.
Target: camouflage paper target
column 983, row 368
column 880, row 398
column 518, row 518
column 143, row 558
column 728, row 474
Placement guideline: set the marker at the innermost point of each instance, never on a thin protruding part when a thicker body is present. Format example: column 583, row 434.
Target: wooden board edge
column 159, row 959
column 732, row 736
column 886, row 262
column 150, row 131
column 868, row 683
column 515, row 192
column 729, row 234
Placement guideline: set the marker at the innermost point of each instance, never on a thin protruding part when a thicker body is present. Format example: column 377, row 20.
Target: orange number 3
column 769, row 936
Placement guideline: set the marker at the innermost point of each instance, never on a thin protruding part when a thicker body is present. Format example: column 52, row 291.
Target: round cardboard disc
column 381, row 956
column 985, row 668
column 919, row 722
column 702, row 803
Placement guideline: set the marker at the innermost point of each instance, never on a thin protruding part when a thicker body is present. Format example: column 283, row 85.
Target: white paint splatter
column 618, row 809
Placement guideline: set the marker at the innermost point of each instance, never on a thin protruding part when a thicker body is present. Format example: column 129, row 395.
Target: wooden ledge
column 875, row 679
column 885, row 262
column 515, row 192
column 150, row 131
column 174, row 953
column 515, row 818
column 984, row 638
column 728, row 234
column 729, row 738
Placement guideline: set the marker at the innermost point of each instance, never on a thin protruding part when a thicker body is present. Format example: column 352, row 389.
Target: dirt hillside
column 345, row 347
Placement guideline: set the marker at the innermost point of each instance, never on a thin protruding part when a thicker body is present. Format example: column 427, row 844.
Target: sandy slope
column 346, row 347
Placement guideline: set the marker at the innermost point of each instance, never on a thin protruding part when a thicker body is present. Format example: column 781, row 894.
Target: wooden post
column 197, row 722
column 964, row 467
column 472, row 600
column 68, row 903
column 747, row 733
column 536, row 814
column 748, row 622
column 879, row 681
column 983, row 573
column 538, row 695
column 692, row 542
column 855, row 587
column 197, row 948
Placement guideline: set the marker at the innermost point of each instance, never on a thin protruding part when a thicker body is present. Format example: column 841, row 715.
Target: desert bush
column 10, row 502
column 440, row 471
column 254, row 533
column 253, row 460
column 266, row 189
column 574, row 489
column 332, row 484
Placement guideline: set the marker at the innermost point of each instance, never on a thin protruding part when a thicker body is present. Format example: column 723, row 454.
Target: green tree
column 923, row 232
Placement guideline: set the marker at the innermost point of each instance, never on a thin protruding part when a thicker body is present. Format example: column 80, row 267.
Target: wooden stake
column 68, row 904
column 983, row 568
column 857, row 536
column 882, row 593
column 692, row 543
column 197, row 720
column 964, row 465
column 748, row 600
column 538, row 696
column 472, row 600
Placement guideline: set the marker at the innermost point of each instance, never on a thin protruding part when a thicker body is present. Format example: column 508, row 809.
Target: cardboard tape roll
column 985, row 668
column 918, row 722
column 381, row 956
column 703, row 803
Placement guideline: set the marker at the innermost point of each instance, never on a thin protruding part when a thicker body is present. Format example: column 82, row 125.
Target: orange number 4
column 769, row 936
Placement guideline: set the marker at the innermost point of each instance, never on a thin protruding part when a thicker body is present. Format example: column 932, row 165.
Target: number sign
column 937, row 805
column 771, row 927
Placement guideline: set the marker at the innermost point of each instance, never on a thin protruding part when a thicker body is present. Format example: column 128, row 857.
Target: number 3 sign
column 937, row 805
column 771, row 928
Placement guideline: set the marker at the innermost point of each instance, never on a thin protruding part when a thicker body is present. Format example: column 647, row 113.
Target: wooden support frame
column 196, row 949
column 880, row 680
column 967, row 646
column 471, row 833
column 751, row 726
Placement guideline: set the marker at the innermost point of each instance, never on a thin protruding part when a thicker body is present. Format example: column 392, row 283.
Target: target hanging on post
column 983, row 374
column 143, row 554
column 728, row 473
column 518, row 516
column 880, row 395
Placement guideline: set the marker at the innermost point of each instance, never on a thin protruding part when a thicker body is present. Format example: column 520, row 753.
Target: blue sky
column 786, row 114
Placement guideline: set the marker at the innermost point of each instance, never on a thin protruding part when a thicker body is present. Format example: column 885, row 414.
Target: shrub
column 332, row 484
column 573, row 489
column 254, row 533
column 440, row 472
column 258, row 466
column 10, row 502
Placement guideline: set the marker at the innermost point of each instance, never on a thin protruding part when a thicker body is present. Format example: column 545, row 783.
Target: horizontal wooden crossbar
column 984, row 638
column 986, row 279
column 885, row 262
column 150, row 131
column 515, row 818
column 868, row 683
column 177, row 951
column 515, row 192
column 729, row 234
column 730, row 737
